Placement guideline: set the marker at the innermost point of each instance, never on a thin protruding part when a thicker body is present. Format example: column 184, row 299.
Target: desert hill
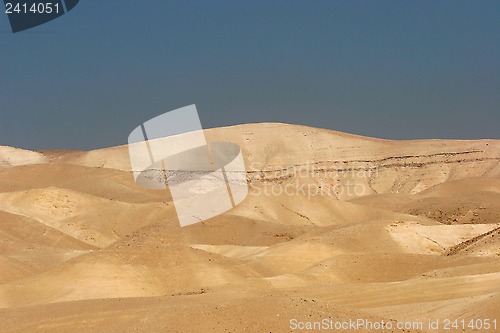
column 385, row 230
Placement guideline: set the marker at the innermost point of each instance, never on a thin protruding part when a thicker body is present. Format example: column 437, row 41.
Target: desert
column 382, row 231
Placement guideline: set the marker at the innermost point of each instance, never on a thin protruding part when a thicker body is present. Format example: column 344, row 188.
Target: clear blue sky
column 390, row 69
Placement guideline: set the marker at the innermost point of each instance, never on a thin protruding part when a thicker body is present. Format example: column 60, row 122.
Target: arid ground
column 335, row 227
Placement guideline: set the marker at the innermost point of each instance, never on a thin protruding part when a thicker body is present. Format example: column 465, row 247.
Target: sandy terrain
column 392, row 231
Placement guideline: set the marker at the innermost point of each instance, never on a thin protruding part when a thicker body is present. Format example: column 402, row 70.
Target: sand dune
column 385, row 230
column 10, row 156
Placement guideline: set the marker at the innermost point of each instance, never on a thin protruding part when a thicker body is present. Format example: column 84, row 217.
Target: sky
column 387, row 69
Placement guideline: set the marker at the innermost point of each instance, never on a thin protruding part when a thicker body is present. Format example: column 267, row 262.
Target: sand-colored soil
column 386, row 231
